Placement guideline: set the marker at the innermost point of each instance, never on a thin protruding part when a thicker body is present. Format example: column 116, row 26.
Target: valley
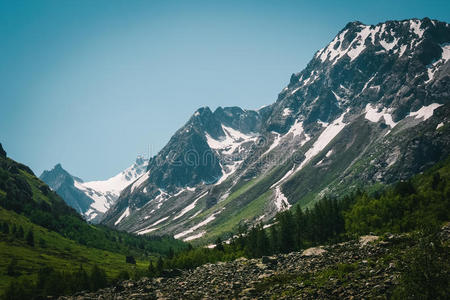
column 337, row 189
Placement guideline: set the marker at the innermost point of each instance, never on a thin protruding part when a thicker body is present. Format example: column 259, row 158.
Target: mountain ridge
column 371, row 85
column 92, row 199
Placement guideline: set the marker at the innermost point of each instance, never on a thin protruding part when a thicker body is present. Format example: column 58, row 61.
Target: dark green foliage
column 52, row 283
column 159, row 265
column 151, row 269
column 123, row 275
column 98, row 278
column 30, row 238
column 23, row 194
column 29, row 196
column 42, row 243
column 427, row 269
column 130, row 260
column 11, row 269
column 5, row 228
column 19, row 233
column 422, row 201
column 219, row 245
column 19, row 290
column 171, row 253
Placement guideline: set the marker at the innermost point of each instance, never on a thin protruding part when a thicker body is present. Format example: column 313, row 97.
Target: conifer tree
column 97, row 278
column 219, row 245
column 151, row 269
column 159, row 265
column 30, row 238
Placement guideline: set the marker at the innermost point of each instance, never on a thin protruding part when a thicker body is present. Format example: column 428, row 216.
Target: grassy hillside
column 50, row 249
column 38, row 231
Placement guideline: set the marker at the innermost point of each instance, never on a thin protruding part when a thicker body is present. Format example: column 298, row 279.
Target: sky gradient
column 93, row 83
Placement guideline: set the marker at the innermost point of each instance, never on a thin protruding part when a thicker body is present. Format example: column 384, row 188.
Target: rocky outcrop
column 367, row 268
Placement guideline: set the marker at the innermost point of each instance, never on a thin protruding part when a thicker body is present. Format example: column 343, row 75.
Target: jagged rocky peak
column 245, row 121
column 204, row 120
column 400, row 37
column 391, row 65
column 57, row 177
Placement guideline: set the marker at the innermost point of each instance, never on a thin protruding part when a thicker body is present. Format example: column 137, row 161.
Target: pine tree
column 171, row 253
column 97, row 278
column 159, row 265
column 19, row 232
column 81, row 279
column 299, row 228
column 286, row 223
column 219, row 245
column 262, row 242
column 274, row 239
column 151, row 269
column 5, row 228
column 11, row 270
column 30, row 238
column 14, row 229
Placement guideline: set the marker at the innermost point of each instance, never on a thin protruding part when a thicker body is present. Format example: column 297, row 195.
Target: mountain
column 92, row 199
column 370, row 107
column 42, row 237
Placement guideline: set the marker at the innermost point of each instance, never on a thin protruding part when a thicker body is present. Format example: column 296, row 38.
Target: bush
column 427, row 270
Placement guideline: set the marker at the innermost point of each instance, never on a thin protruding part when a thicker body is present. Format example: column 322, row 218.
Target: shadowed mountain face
column 372, row 106
column 62, row 183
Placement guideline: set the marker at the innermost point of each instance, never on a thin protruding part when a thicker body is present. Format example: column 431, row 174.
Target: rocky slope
column 367, row 268
column 370, row 107
column 92, row 199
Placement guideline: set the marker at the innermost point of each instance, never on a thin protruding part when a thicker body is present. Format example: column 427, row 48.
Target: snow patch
column 439, row 125
column 190, row 206
column 402, row 50
column 141, row 232
column 339, row 99
column 294, row 91
column 194, row 215
column 330, row 52
column 194, row 228
column 158, row 222
column 231, row 169
column 275, row 143
column 322, row 141
column 125, row 214
column 374, row 115
column 281, row 201
column 195, row 236
column 425, row 112
column 233, row 138
column 140, row 181
column 358, row 44
column 414, row 25
column 433, row 67
column 287, row 112
column 296, row 129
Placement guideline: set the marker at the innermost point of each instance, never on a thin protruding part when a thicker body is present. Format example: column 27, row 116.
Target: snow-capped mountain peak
column 101, row 193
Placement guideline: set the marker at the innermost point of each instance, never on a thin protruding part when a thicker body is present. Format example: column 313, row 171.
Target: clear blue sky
column 93, row 83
